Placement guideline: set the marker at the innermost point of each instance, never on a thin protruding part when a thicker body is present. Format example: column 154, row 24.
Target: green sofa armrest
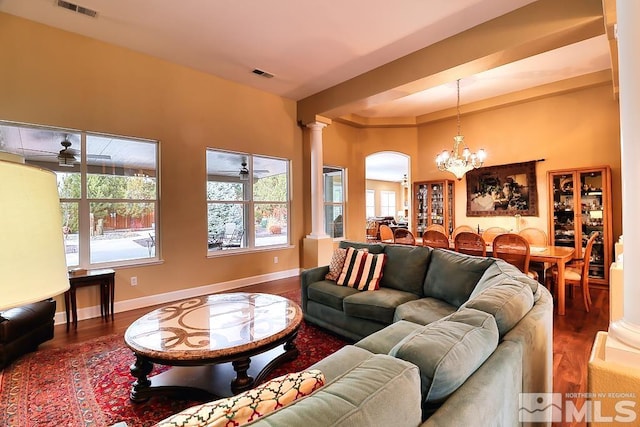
column 378, row 390
column 308, row 277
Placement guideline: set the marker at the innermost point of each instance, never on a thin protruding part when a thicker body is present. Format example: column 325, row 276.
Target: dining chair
column 514, row 249
column 460, row 229
column 402, row 236
column 490, row 233
column 386, row 233
column 437, row 227
column 470, row 243
column 435, row 239
column 537, row 237
column 372, row 231
column 576, row 272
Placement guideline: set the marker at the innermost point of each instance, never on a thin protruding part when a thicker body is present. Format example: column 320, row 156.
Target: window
column 247, row 201
column 370, row 203
column 334, row 201
column 108, row 191
column 387, row 203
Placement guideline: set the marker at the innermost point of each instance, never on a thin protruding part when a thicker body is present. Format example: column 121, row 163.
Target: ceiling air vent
column 262, row 73
column 78, row 9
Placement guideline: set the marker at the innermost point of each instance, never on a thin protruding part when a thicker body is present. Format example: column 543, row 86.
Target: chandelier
column 460, row 160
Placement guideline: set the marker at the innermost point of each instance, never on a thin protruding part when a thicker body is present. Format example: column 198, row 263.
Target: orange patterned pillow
column 335, row 266
column 249, row 405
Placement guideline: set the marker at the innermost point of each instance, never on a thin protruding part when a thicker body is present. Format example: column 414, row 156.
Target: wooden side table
column 104, row 278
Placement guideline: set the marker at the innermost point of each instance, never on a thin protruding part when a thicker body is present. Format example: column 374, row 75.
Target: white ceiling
column 310, row 46
column 387, row 166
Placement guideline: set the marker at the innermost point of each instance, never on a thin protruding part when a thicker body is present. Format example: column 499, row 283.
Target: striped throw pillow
column 337, row 262
column 362, row 270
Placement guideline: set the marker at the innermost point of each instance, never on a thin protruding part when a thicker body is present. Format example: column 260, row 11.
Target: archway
column 388, row 181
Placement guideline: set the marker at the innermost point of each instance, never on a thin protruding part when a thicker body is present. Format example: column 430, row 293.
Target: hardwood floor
column 573, row 336
column 574, row 333
column 93, row 328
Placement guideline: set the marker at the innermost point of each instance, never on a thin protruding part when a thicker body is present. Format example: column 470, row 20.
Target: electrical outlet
column 134, row 281
column 275, row 259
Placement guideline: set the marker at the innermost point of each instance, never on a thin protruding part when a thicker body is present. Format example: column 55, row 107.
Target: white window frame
column 330, row 203
column 370, row 209
column 249, row 205
column 387, row 208
column 84, row 202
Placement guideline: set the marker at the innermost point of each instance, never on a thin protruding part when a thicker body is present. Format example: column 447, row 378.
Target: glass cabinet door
column 581, row 205
column 563, row 227
column 592, row 219
column 436, row 198
column 450, row 209
column 421, row 207
column 433, row 204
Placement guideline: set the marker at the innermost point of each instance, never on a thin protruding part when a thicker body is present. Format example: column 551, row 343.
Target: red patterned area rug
column 88, row 384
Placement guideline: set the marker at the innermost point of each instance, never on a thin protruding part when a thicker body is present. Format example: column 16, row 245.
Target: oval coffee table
column 218, row 345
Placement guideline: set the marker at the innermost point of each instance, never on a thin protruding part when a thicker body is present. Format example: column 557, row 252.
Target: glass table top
column 213, row 326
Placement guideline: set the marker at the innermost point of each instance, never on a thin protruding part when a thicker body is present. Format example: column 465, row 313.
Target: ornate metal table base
column 207, row 382
column 217, row 345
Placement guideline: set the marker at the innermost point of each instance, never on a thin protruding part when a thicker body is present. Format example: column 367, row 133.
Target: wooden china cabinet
column 433, row 204
column 579, row 204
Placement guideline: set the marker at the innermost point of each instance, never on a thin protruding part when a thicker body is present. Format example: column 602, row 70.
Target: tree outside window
column 247, row 201
column 108, row 191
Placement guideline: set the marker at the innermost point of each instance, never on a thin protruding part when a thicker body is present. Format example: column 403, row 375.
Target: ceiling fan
column 243, row 173
column 67, row 156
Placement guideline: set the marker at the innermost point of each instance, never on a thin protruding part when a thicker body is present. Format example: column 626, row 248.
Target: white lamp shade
column 32, row 255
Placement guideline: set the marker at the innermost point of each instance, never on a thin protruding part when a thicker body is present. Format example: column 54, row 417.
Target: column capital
column 316, row 125
column 319, row 122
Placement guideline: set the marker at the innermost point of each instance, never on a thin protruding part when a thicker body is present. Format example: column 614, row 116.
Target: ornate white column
column 317, row 186
column 623, row 343
column 318, row 245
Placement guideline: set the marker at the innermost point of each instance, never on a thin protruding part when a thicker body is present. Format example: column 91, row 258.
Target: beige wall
column 373, row 140
column 571, row 130
column 56, row 78
column 574, row 129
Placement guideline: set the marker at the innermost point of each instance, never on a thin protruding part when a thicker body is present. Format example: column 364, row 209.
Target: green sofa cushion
column 378, row 391
column 378, row 305
column 384, row 340
column 343, row 360
column 497, row 272
column 423, row 311
column 449, row 351
column 328, row 293
column 453, row 276
column 507, row 302
column 406, row 267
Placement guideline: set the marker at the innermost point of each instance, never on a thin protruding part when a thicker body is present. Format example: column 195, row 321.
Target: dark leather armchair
column 23, row 329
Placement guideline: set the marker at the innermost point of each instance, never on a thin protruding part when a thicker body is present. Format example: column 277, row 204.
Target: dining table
column 558, row 255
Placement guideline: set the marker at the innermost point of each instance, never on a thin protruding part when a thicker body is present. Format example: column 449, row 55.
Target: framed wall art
column 505, row 190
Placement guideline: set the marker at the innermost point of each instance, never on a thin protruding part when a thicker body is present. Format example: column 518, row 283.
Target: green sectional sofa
column 447, row 340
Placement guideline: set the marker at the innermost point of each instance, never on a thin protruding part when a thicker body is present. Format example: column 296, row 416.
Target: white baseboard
column 132, row 304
